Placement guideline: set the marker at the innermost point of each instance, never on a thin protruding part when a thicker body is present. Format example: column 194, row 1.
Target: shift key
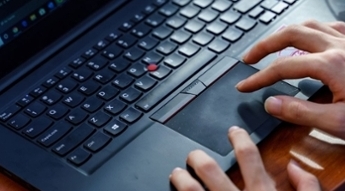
column 175, row 80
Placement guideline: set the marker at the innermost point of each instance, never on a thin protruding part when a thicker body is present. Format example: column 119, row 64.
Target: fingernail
column 239, row 84
column 244, row 58
column 294, row 164
column 175, row 170
column 273, row 105
column 233, row 128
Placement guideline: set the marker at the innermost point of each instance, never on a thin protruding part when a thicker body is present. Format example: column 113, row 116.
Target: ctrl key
column 97, row 142
column 78, row 157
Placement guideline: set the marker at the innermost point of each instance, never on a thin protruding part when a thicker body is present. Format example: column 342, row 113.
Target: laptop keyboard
column 90, row 102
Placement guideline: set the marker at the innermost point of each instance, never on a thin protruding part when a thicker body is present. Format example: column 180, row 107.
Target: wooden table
column 315, row 152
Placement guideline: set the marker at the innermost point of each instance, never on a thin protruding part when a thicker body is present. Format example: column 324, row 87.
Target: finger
column 209, row 172
column 183, row 181
column 301, row 179
column 297, row 36
column 326, row 28
column 327, row 117
column 286, row 68
column 249, row 160
column 338, row 26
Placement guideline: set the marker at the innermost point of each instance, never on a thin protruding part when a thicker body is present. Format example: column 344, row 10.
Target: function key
column 62, row 73
column 77, row 62
column 9, row 112
column 90, row 53
column 25, row 101
column 38, row 92
column 79, row 157
column 19, row 121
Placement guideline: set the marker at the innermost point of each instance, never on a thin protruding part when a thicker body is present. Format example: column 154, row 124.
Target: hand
column 326, row 62
column 253, row 171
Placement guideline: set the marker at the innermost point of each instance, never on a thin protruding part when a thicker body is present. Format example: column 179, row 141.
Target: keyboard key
column 181, row 3
column 280, row 7
column 37, row 126
column 194, row 26
column 190, row 11
column 161, row 73
column 246, row 5
column 203, row 38
column 82, row 74
column 267, row 17
column 208, row 15
column 138, row 18
column 216, row 28
column 115, row 127
column 162, row 32
column 203, row 3
column 73, row 99
column 72, row 140
column 62, row 73
column 66, row 86
column 149, row 9
column 221, row 5
column 137, row 70
column 119, row 65
column 97, row 142
column 50, row 82
column 108, row 93
column 176, row 22
column 130, row 95
column 155, row 20
column 19, row 121
column 180, row 37
column 9, row 112
column 126, row 41
column 51, row 97
column 112, row 52
column 163, row 89
column 168, row 10
column 188, row 50
column 230, row 17
column 89, row 53
column 218, row 45
column 232, row 34
column 290, row 2
column 35, row 109
column 246, row 24
column 77, row 62
column 174, row 60
column 148, row 43
column 268, row 4
column 92, row 104
column 79, row 157
column 145, row 83
column 100, row 45
column 130, row 115
column 113, row 36
column 256, row 12
column 57, row 111
column 54, row 133
column 133, row 54
column 99, row 119
column 38, row 91
column 25, row 101
column 141, row 31
column 115, row 107
column 123, row 81
column 166, row 47
column 126, row 26
column 89, row 88
column 152, row 58
column 159, row 2
column 76, row 117
column 104, row 76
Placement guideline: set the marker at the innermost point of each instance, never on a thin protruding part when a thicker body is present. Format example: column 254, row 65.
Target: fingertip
column 273, row 106
column 233, row 128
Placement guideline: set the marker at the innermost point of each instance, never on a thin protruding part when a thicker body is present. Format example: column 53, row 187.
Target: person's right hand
column 325, row 61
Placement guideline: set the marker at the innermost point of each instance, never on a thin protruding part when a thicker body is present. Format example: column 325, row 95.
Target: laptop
column 114, row 94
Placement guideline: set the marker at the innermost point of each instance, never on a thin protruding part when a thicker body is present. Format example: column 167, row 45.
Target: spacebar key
column 175, row 80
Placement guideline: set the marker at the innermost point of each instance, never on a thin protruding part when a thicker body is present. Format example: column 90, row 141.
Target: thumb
column 327, row 117
column 300, row 179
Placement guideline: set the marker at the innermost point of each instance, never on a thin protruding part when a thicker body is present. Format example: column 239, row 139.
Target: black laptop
column 113, row 94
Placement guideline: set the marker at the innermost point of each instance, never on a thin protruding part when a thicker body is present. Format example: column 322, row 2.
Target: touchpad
column 208, row 117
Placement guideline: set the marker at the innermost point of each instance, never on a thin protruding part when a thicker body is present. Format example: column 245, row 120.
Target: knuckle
column 339, row 26
column 336, row 57
column 311, row 23
column 207, row 166
column 246, row 150
column 296, row 110
column 339, row 121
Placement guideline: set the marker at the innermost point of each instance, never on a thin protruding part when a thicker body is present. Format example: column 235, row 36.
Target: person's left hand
column 253, row 171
